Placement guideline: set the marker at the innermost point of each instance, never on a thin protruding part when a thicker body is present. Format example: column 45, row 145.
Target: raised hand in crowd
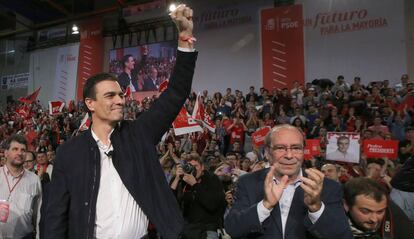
column 183, row 19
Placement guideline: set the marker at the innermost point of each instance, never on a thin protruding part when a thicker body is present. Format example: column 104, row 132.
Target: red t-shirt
column 237, row 134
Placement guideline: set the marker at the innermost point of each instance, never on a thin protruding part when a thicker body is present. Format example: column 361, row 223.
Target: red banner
column 312, row 148
column 91, row 50
column 258, row 137
column 200, row 113
column 56, row 107
column 85, row 123
column 184, row 124
column 381, row 149
column 282, row 47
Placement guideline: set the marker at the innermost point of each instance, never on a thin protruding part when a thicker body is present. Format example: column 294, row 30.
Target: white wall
column 374, row 54
column 43, row 65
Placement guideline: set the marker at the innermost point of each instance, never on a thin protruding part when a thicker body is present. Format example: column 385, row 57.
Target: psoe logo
column 287, row 23
column 270, row 24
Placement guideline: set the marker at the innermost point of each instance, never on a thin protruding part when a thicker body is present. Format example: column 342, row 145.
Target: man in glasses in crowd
column 285, row 201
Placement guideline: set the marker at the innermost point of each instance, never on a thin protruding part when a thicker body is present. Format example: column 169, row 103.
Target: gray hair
column 268, row 138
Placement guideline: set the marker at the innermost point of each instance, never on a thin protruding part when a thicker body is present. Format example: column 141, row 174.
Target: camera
column 188, row 168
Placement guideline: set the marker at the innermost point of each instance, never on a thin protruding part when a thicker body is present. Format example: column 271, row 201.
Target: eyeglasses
column 283, row 149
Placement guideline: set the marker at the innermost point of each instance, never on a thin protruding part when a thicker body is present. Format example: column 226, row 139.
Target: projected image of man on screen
column 343, row 151
column 127, row 77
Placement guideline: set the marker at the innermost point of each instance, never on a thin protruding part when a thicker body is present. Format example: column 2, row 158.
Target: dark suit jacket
column 243, row 221
column 73, row 191
column 149, row 85
column 124, row 81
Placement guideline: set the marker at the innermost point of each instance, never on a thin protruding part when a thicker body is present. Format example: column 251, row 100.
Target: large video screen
column 143, row 68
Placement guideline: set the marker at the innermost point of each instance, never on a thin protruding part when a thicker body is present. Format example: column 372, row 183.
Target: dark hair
column 196, row 158
column 15, row 138
column 91, row 82
column 362, row 186
column 89, row 87
column 380, row 162
column 125, row 59
column 408, row 129
column 231, row 154
column 32, row 153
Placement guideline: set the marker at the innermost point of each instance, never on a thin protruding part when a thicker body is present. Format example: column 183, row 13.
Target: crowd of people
column 374, row 111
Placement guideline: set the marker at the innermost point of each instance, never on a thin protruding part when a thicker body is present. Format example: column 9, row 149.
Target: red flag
column 30, row 136
column 200, row 113
column 198, row 110
column 23, row 111
column 71, row 106
column 128, row 94
column 55, row 107
column 258, row 137
column 30, row 98
column 184, row 124
column 163, row 86
column 85, row 124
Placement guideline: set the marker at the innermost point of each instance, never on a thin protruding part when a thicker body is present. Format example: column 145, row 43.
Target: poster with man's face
column 343, row 146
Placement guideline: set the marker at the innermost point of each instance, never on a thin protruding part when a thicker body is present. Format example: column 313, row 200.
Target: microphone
column 109, row 153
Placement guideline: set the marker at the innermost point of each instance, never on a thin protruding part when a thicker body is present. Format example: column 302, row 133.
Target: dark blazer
column 71, row 208
column 124, row 81
column 149, row 85
column 243, row 221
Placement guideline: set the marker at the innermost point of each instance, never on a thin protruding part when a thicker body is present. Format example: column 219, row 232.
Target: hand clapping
column 273, row 191
column 312, row 186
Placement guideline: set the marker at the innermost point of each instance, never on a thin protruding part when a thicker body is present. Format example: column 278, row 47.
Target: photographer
column 201, row 198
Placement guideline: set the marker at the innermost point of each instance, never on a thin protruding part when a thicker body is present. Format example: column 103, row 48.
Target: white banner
column 14, row 81
column 66, row 71
column 354, row 38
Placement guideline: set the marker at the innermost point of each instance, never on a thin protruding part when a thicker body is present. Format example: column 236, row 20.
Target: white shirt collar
column 99, row 142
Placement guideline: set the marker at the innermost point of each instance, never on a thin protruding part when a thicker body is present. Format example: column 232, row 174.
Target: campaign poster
column 381, row 149
column 343, row 146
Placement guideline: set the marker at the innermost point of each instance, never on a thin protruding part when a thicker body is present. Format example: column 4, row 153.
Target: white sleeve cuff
column 184, row 49
column 314, row 216
column 263, row 212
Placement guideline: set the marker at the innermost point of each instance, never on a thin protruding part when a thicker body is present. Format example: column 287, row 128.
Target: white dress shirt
column 24, row 201
column 117, row 213
column 339, row 156
column 284, row 204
